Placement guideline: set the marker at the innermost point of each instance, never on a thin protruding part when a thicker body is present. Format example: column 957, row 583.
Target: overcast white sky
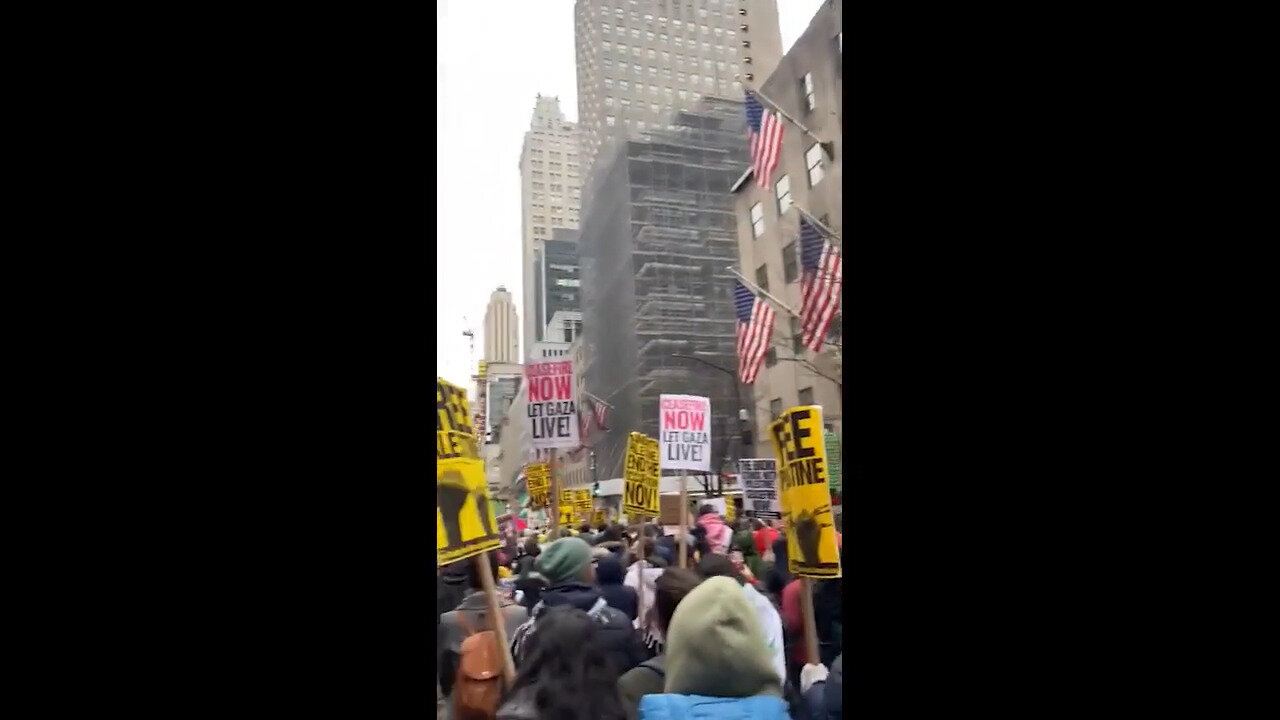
column 492, row 59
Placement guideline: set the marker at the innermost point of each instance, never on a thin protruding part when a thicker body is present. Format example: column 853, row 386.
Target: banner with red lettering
column 552, row 407
column 684, row 432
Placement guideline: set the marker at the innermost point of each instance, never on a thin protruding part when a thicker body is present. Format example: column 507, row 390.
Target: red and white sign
column 552, row 407
column 684, row 432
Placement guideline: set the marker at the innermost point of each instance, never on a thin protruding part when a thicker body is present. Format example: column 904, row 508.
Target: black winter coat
column 609, row 578
column 619, row 636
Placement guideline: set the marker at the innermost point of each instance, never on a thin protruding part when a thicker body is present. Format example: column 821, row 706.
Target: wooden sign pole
column 684, row 518
column 640, row 571
column 810, row 626
column 554, row 500
column 495, row 616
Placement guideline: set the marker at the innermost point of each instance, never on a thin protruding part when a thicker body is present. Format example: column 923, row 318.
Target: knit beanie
column 564, row 560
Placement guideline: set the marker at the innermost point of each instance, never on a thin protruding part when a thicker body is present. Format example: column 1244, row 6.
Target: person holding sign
column 470, row 616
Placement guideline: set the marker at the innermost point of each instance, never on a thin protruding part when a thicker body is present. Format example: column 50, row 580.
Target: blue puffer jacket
column 705, row 707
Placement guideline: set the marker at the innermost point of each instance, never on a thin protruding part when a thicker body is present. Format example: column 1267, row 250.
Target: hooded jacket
column 616, row 631
column 647, row 624
column 609, row 579
column 718, row 534
column 716, row 661
column 746, row 544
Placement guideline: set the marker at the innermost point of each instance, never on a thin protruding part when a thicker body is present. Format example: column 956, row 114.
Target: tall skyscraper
column 501, row 329
column 550, row 193
column 640, row 59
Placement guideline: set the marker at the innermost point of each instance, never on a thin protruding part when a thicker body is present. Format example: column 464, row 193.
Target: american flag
column 755, row 327
column 600, row 412
column 764, row 134
column 820, row 284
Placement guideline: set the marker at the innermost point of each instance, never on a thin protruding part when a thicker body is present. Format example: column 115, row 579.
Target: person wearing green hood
column 745, row 543
column 717, row 661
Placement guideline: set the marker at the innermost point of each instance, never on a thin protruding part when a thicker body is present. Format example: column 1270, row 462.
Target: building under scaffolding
column 658, row 235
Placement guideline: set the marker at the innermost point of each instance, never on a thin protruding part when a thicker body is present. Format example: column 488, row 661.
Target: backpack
column 477, row 688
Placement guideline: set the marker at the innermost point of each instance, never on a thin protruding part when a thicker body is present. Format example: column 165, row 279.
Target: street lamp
column 744, row 417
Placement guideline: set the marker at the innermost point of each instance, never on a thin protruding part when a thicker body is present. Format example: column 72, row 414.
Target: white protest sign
column 684, row 432
column 552, row 408
column 759, row 480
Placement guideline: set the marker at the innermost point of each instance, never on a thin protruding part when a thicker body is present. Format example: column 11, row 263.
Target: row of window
column 692, row 64
column 806, row 398
column 720, row 49
column 782, row 189
column 694, row 30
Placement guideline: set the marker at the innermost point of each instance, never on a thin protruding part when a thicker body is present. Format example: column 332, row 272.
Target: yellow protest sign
column 566, row 515
column 582, row 504
column 640, row 476
column 566, row 496
column 538, row 481
column 597, row 518
column 454, row 436
column 465, row 524
column 729, row 509
column 806, row 498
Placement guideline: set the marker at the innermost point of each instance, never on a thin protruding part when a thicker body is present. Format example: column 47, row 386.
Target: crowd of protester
column 604, row 624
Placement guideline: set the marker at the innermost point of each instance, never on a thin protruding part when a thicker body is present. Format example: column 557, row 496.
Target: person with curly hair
column 567, row 673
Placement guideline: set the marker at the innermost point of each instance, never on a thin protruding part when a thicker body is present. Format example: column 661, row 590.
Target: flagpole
column 826, row 230
column 756, row 288
column 827, row 147
column 775, row 300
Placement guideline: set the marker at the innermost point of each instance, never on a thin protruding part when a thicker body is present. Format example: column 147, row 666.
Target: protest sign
column 582, row 504
column 640, row 476
column 730, row 510
column 806, row 499
column 465, row 523
column 597, row 518
column 566, row 515
column 538, row 480
column 759, row 479
column 684, row 429
column 454, row 435
column 833, row 460
column 552, row 408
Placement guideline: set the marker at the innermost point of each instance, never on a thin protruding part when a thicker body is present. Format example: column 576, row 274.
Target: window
column 806, row 89
column 635, row 50
column 653, row 54
column 609, row 120
column 797, row 338
column 775, row 407
column 608, row 101
column 790, row 268
column 762, row 277
column 783, row 191
column 649, row 36
column 806, row 396
column 813, row 159
column 771, row 357
column 624, row 85
column 606, row 28
column 608, row 84
column 757, row 220
column 635, row 33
